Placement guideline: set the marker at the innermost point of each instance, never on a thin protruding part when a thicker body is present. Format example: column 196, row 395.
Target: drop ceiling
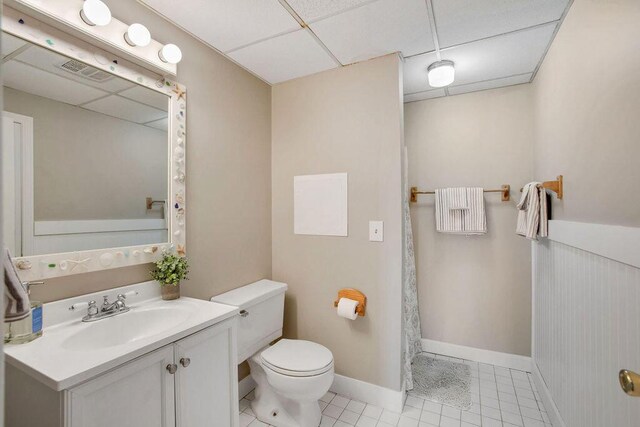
column 34, row 70
column 494, row 43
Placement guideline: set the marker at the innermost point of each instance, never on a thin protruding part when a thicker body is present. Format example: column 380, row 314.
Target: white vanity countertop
column 71, row 351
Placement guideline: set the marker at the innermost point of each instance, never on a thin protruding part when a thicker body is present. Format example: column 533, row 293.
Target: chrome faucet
column 117, row 306
column 107, row 310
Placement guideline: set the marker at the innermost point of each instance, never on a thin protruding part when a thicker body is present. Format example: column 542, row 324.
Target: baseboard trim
column 507, row 360
column 245, row 386
column 368, row 393
column 547, row 400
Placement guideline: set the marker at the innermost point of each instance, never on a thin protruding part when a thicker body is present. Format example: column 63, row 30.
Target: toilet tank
column 261, row 307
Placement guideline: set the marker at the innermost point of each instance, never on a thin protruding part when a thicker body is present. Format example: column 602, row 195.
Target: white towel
column 532, row 212
column 16, row 300
column 456, row 198
column 461, row 221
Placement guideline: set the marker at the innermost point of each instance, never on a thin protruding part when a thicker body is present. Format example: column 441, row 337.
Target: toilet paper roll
column 347, row 308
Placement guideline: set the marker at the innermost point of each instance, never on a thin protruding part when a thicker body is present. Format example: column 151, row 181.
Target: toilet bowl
column 291, row 377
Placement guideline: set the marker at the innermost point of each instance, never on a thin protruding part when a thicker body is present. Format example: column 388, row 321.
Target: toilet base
column 277, row 410
column 272, row 409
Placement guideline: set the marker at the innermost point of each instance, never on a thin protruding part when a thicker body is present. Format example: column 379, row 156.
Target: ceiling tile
column 420, row 96
column 147, row 96
column 10, row 44
column 162, row 124
column 49, row 61
column 28, row 79
column 462, row 21
column 285, row 57
column 125, row 109
column 227, row 24
column 310, row 10
column 377, row 29
column 501, row 56
column 490, row 84
column 415, row 72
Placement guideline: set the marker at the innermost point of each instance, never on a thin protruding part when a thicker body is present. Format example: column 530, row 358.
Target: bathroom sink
column 137, row 324
column 71, row 351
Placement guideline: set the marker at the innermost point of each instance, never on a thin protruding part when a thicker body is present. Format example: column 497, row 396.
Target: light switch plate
column 376, row 231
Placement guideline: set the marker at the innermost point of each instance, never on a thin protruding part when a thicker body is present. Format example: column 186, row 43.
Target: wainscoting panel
column 586, row 328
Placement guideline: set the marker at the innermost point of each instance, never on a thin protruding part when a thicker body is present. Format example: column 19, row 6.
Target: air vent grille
column 85, row 71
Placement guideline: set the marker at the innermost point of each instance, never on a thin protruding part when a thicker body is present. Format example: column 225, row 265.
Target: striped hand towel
column 532, row 212
column 456, row 198
column 461, row 221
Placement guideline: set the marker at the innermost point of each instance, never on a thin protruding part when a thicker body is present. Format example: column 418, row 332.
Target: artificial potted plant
column 169, row 271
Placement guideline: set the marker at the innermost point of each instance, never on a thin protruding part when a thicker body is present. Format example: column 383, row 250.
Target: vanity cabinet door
column 207, row 378
column 137, row 394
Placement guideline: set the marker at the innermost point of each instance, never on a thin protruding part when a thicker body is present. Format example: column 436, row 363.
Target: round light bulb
column 441, row 73
column 170, row 53
column 137, row 35
column 95, row 12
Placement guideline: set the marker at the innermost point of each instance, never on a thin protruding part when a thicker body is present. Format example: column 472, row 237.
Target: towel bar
column 555, row 186
column 505, row 190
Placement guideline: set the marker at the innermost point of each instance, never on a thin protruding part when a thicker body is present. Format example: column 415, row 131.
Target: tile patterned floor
column 501, row 397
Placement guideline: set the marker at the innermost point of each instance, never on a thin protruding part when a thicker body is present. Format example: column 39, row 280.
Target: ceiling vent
column 83, row 70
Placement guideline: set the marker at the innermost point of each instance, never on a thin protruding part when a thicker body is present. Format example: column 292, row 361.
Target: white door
column 207, row 378
column 138, row 394
column 17, row 183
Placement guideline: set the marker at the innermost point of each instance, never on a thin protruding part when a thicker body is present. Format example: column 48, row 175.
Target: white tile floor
column 501, row 397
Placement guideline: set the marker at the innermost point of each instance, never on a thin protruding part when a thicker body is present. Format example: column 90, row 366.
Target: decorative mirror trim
column 39, row 267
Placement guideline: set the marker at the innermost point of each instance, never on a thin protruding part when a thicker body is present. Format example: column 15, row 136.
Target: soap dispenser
column 27, row 329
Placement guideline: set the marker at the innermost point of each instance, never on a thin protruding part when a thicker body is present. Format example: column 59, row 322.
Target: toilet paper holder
column 355, row 295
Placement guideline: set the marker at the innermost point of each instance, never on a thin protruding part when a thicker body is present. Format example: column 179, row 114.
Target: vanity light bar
column 97, row 13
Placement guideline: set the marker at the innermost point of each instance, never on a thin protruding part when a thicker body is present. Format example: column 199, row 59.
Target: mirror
column 84, row 155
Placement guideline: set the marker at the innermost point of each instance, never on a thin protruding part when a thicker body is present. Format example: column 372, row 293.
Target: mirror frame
column 38, row 267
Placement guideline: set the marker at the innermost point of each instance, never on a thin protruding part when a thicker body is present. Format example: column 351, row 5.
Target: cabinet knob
column 244, row 313
column 172, row 368
column 185, row 361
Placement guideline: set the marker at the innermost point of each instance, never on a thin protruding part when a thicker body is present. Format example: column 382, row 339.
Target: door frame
column 24, row 220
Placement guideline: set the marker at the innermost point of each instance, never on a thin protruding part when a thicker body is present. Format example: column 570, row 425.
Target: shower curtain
column 411, row 315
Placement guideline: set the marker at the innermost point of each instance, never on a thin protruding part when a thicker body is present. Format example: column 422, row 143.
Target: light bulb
column 441, row 73
column 95, row 12
column 170, row 53
column 137, row 35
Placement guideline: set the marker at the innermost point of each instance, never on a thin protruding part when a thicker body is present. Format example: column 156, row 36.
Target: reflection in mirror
column 83, row 151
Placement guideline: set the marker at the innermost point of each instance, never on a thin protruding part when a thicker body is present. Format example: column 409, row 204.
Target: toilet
column 291, row 375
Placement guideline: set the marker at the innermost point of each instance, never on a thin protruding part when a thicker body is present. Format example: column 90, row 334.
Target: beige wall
column 89, row 165
column 344, row 120
column 587, row 112
column 473, row 291
column 228, row 172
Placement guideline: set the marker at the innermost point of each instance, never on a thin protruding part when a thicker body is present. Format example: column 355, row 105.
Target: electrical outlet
column 376, row 231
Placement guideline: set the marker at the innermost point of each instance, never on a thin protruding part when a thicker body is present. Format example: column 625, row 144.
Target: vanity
column 162, row 363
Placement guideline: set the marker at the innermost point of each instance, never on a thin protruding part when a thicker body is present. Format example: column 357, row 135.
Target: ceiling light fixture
column 95, row 12
column 137, row 35
column 170, row 53
column 441, row 73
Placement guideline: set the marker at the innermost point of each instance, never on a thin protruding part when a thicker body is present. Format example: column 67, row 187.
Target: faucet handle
column 92, row 310
column 129, row 294
column 91, row 306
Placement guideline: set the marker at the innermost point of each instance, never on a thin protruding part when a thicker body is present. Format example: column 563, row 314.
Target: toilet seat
column 297, row 358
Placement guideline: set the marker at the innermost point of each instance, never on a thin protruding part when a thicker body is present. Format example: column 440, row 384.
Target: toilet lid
column 298, row 358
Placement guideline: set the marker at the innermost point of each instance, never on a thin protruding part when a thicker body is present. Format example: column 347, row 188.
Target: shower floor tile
column 508, row 396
